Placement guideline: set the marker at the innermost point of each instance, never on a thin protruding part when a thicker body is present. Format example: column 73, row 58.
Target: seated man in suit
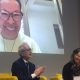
column 23, row 68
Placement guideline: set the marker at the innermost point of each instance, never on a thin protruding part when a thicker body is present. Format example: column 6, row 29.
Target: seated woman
column 72, row 68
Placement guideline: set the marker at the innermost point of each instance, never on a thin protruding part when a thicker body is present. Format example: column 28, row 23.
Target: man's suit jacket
column 20, row 69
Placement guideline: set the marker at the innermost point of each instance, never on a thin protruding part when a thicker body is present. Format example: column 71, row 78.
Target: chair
column 59, row 76
column 7, row 76
column 53, row 78
column 43, row 78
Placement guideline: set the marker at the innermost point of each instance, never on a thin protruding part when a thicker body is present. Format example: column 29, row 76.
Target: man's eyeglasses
column 5, row 15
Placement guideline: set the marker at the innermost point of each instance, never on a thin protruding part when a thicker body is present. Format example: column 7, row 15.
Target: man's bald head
column 12, row 1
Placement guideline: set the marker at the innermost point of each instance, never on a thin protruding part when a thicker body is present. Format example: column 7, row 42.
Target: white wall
column 41, row 19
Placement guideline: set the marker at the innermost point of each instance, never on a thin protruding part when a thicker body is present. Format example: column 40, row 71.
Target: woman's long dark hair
column 75, row 68
column 76, row 51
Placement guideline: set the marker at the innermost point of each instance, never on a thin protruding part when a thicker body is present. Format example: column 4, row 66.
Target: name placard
column 76, row 78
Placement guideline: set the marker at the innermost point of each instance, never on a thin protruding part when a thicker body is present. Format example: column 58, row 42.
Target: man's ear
column 0, row 29
column 1, row 25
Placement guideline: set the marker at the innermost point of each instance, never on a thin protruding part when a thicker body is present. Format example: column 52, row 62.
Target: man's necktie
column 27, row 65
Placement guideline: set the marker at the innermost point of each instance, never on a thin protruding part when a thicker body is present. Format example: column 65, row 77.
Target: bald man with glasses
column 10, row 21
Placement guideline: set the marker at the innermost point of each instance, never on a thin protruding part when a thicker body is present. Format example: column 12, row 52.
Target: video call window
column 41, row 21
